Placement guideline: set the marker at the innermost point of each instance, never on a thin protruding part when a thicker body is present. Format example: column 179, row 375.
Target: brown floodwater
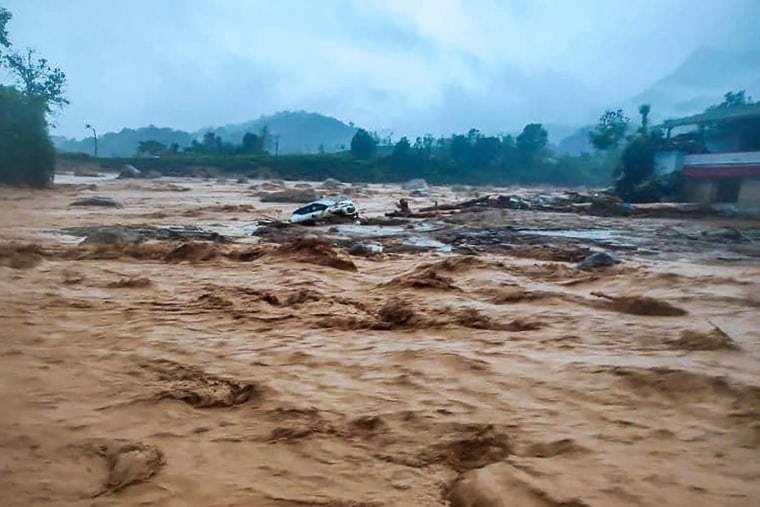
column 292, row 374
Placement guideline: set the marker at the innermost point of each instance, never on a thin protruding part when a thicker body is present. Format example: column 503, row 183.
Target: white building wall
column 749, row 194
column 666, row 162
column 722, row 159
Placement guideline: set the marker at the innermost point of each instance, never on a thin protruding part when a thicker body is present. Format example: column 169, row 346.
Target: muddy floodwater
column 469, row 364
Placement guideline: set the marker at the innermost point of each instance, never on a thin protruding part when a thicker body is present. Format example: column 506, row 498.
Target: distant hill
column 700, row 81
column 297, row 132
column 125, row 142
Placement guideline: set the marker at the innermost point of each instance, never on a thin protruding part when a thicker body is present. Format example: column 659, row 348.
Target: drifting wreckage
column 596, row 203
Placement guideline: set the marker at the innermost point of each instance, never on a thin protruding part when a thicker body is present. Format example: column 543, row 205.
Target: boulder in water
column 598, row 260
column 366, row 248
column 129, row 171
column 98, row 200
column 331, row 184
column 415, row 184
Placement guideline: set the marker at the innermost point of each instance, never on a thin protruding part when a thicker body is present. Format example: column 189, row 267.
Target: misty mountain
column 699, row 82
column 297, row 132
column 576, row 143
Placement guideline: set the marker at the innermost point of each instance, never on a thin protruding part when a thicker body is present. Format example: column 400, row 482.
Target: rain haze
column 407, row 67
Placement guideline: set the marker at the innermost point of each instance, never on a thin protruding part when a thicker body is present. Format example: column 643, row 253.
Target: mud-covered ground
column 469, row 364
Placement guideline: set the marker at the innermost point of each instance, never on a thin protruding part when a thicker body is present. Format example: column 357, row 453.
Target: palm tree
column 644, row 112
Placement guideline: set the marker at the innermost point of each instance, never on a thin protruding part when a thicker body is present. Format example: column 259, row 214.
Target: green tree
column 532, row 144
column 363, row 145
column 732, row 99
column 460, row 149
column 610, row 130
column 37, row 78
column 211, row 142
column 402, row 148
column 5, row 16
column 151, row 148
column 252, row 143
column 27, row 156
column 644, row 110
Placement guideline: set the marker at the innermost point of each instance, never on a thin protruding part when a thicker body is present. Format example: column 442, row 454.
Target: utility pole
column 277, row 145
column 95, row 136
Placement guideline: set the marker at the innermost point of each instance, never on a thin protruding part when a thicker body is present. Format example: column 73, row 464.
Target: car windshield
column 311, row 208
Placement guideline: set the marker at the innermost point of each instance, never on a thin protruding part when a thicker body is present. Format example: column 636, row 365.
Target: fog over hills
column 501, row 107
column 430, row 66
column 700, row 81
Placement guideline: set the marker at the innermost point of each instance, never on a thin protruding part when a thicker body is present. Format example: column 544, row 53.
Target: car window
column 311, row 208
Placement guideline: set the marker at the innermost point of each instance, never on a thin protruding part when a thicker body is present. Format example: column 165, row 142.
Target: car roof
column 323, row 202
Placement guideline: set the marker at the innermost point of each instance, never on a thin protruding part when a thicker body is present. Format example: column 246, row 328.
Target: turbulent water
column 291, row 374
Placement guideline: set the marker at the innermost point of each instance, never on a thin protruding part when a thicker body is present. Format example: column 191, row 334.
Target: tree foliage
column 644, row 110
column 252, row 143
column 37, row 78
column 532, row 142
column 610, row 130
column 732, row 99
column 5, row 16
column 27, row 156
column 152, row 148
column 363, row 145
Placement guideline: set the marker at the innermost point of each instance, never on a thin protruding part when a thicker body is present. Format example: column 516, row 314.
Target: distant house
column 724, row 167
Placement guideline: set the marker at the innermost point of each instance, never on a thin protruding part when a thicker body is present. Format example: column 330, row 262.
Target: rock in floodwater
column 129, row 171
column 598, row 260
column 366, row 248
column 331, row 184
column 415, row 184
column 98, row 200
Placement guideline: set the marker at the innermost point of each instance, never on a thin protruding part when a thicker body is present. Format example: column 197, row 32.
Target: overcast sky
column 407, row 65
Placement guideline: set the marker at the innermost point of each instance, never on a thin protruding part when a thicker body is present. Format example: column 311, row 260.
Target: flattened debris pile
column 115, row 234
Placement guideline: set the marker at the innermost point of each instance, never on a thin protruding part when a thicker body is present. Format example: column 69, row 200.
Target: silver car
column 323, row 209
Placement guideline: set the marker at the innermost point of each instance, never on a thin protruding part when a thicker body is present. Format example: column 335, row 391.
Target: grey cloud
column 411, row 67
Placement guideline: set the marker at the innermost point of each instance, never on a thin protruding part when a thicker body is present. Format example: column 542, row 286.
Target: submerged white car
column 322, row 209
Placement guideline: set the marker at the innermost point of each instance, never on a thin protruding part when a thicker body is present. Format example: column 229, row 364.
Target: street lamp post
column 95, row 136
